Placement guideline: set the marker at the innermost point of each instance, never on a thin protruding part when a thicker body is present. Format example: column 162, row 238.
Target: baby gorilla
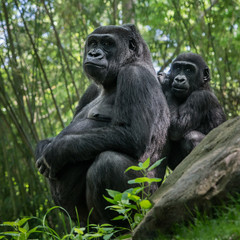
column 194, row 108
column 121, row 119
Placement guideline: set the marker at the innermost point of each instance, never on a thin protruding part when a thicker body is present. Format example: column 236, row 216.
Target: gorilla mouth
column 95, row 65
column 179, row 89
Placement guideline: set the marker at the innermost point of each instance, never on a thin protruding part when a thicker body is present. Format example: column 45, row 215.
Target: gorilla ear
column 132, row 44
column 206, row 75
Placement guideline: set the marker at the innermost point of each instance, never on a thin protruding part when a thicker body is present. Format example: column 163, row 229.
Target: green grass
column 131, row 205
column 224, row 224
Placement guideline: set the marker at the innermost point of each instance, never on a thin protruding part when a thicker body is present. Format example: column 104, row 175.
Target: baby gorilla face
column 183, row 74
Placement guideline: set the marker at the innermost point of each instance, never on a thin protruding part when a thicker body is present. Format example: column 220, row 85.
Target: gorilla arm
column 134, row 114
column 190, row 114
column 91, row 93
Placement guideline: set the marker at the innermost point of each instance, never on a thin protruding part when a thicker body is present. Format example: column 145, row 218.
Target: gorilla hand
column 53, row 159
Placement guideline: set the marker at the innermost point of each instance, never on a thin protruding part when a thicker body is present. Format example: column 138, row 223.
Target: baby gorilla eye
column 107, row 43
column 188, row 70
column 92, row 43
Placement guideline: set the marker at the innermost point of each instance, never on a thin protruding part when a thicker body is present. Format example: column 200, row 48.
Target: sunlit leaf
column 146, row 164
column 145, row 204
column 156, row 164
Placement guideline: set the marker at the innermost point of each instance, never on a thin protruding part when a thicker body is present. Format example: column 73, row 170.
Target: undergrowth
column 222, row 224
column 131, row 206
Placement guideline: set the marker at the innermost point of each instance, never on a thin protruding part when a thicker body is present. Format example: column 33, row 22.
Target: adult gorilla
column 122, row 119
column 194, row 108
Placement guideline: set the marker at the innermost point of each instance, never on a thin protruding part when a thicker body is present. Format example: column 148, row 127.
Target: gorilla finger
column 45, row 162
column 52, row 175
column 42, row 169
column 39, row 162
column 46, row 173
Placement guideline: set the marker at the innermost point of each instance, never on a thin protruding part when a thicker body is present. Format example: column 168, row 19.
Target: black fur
column 194, row 108
column 121, row 119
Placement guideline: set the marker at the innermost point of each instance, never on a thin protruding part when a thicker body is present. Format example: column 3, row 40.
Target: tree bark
column 205, row 178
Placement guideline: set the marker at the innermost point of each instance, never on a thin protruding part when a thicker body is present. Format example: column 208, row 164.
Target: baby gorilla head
column 188, row 73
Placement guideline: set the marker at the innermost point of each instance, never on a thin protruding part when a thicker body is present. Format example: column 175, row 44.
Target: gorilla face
column 183, row 76
column 99, row 59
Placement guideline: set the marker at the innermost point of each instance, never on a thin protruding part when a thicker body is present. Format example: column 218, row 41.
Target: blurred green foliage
column 41, row 76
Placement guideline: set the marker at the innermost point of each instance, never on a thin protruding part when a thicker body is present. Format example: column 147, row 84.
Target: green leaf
column 134, row 198
column 156, row 164
column 127, row 236
column 95, row 235
column 114, row 207
column 151, row 180
column 12, row 224
column 146, row 164
column 34, row 230
column 110, row 200
column 106, row 225
column 144, row 180
column 22, row 230
column 123, row 211
column 120, row 217
column 138, row 218
column 108, row 236
column 132, row 181
column 23, row 220
column 139, row 180
column 79, row 230
column 26, row 226
column 137, row 190
column 132, row 206
column 11, row 233
column 135, row 168
column 118, row 197
column 145, row 204
column 112, row 193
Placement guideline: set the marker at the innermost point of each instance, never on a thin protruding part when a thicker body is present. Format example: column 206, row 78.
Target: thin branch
column 61, row 47
column 41, row 65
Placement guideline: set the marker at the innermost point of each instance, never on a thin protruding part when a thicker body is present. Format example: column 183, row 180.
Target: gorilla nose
column 180, row 79
column 96, row 54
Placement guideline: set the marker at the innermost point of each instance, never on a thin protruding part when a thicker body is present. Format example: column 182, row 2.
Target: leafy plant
column 20, row 229
column 133, row 204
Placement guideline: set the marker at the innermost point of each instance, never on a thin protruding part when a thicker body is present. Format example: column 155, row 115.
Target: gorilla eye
column 92, row 42
column 107, row 43
column 188, row 70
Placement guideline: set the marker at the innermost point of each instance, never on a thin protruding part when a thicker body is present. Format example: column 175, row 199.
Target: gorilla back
column 121, row 119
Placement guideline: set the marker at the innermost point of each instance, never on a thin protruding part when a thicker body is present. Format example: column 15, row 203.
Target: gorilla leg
column 69, row 189
column 180, row 149
column 107, row 172
column 190, row 141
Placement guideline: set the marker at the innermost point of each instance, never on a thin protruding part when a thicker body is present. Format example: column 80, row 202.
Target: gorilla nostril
column 180, row 79
column 96, row 53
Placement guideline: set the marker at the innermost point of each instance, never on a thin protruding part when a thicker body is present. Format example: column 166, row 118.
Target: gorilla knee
column 195, row 137
column 106, row 172
column 191, row 140
column 108, row 169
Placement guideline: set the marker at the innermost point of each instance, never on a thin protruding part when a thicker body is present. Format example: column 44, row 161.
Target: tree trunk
column 206, row 177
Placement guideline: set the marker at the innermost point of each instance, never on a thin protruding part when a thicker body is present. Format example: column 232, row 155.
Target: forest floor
column 224, row 224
